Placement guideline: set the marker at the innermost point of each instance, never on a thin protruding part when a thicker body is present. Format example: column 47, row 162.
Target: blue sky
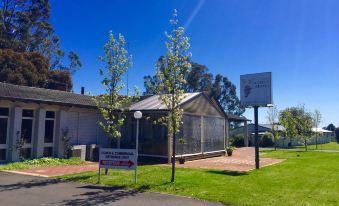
column 297, row 40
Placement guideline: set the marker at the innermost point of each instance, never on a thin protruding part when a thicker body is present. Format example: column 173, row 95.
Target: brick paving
column 242, row 160
column 59, row 170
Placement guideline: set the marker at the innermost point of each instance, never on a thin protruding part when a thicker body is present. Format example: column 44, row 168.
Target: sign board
column 117, row 158
column 256, row 89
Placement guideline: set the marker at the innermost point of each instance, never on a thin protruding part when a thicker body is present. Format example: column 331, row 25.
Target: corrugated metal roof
column 320, row 130
column 236, row 118
column 154, row 103
column 41, row 95
column 269, row 126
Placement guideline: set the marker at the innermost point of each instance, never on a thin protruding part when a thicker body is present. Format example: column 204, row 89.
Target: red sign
column 128, row 163
column 117, row 158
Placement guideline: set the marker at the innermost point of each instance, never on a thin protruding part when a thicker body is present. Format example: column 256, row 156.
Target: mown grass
column 305, row 178
column 41, row 162
column 327, row 146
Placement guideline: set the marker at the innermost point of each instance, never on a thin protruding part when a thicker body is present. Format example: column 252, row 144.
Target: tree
column 273, row 119
column 25, row 29
column 56, row 77
column 199, row 79
column 298, row 123
column 287, row 120
column 171, row 73
column 27, row 68
column 112, row 105
column 316, row 121
column 331, row 127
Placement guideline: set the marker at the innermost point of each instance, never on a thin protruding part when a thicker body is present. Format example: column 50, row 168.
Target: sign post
column 117, row 159
column 121, row 158
column 256, row 91
column 256, row 138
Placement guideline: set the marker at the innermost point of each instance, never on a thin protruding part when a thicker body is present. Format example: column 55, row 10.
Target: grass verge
column 305, row 178
column 327, row 146
column 41, row 162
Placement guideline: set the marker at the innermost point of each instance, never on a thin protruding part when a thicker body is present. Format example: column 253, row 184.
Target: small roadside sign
column 117, row 158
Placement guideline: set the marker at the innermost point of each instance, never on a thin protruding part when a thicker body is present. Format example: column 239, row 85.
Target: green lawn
column 305, row 178
column 41, row 162
column 328, row 146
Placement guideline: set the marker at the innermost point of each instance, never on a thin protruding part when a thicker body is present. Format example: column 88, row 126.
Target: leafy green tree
column 112, row 105
column 298, row 123
column 171, row 73
column 57, row 76
column 25, row 29
column 27, row 68
column 287, row 119
column 331, row 127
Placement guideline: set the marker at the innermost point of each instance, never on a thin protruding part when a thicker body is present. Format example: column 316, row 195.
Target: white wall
column 81, row 122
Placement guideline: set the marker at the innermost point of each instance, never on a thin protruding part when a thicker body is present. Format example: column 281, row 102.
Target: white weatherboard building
column 41, row 116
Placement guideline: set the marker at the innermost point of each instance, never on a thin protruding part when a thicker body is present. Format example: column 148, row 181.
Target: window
column 50, row 114
column 3, row 124
column 48, row 151
column 27, row 153
column 49, row 130
column 49, row 127
column 2, row 154
column 27, row 113
column 3, row 130
column 26, row 130
column 4, row 111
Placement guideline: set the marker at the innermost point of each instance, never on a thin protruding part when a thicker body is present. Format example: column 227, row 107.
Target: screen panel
column 213, row 134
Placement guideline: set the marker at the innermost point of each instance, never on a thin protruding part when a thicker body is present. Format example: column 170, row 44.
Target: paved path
column 52, row 171
column 242, row 160
column 299, row 149
column 25, row 190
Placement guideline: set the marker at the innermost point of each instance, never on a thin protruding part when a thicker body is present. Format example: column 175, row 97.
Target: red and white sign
column 117, row 158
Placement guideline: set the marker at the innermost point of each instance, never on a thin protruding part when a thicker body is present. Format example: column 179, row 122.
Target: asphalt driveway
column 16, row 189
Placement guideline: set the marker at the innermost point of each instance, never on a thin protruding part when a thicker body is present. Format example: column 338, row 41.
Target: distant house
column 322, row 132
column 324, row 136
column 262, row 128
column 41, row 116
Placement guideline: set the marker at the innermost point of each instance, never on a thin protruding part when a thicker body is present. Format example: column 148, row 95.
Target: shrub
column 41, row 162
column 237, row 140
column 266, row 140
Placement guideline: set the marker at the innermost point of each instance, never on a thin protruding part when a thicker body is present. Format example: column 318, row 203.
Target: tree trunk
column 305, row 142
column 173, row 156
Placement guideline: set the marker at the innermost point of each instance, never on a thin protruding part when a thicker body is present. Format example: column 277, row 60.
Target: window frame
column 50, row 144
column 5, row 146
column 29, row 145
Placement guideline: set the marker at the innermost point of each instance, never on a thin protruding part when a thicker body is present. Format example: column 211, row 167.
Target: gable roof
column 40, row 95
column 320, row 130
column 237, row 118
column 154, row 103
column 269, row 126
